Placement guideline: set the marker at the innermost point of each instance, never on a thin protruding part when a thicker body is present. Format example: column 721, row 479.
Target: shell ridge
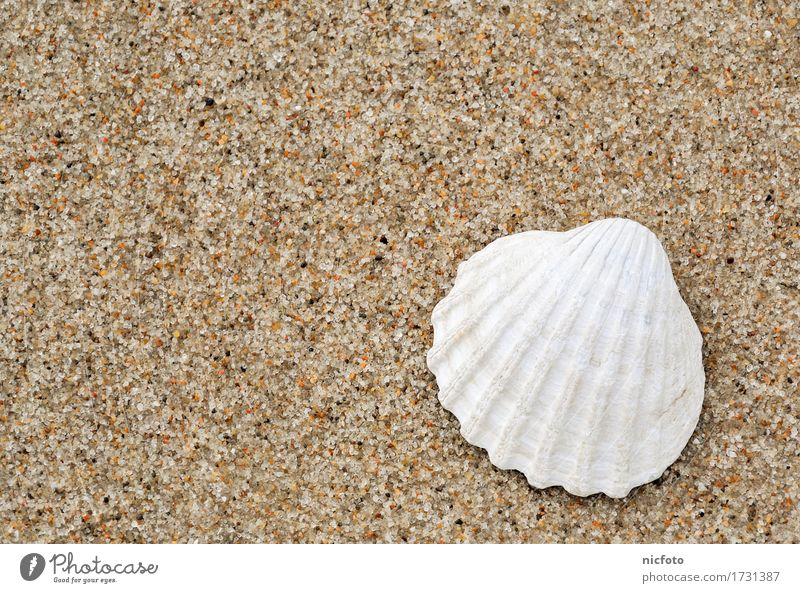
column 621, row 458
column 481, row 261
column 475, row 317
column 581, row 232
column 524, row 402
column 566, row 397
column 457, row 292
column 464, row 369
column 475, row 418
column 446, row 394
column 585, row 458
column 682, row 311
column 662, row 409
column 532, row 385
column 644, row 439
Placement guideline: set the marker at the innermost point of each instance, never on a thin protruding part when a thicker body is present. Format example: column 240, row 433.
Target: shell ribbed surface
column 571, row 357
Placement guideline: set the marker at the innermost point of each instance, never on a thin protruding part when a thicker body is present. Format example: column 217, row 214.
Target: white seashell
column 571, row 357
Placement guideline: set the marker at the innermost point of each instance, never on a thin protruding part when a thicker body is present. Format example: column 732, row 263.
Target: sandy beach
column 224, row 226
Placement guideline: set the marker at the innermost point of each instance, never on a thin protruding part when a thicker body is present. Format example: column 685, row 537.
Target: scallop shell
column 571, row 357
